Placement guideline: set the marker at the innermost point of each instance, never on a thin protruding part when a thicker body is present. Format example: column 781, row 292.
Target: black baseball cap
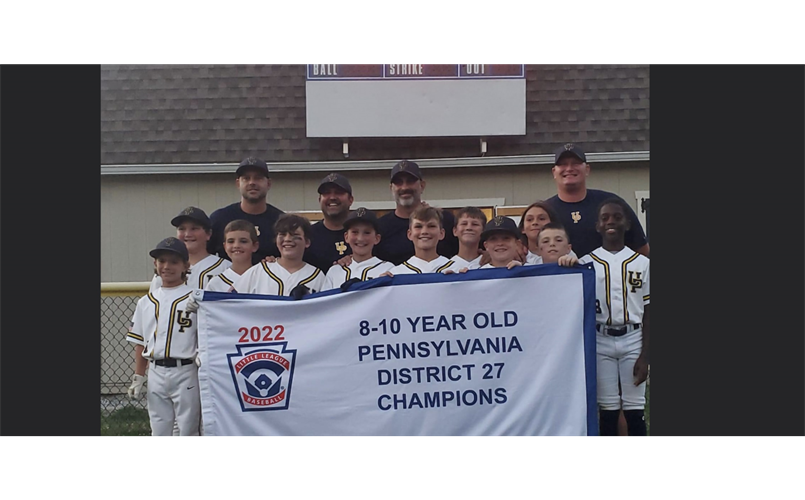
column 194, row 214
column 569, row 149
column 171, row 244
column 252, row 163
column 406, row 166
column 361, row 215
column 500, row 224
column 337, row 179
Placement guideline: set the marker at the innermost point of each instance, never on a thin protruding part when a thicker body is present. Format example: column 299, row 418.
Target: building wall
column 136, row 210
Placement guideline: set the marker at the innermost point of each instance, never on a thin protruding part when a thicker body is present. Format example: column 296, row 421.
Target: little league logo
column 263, row 374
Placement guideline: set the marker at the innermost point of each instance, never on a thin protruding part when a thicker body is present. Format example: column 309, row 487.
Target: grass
column 128, row 421
column 648, row 420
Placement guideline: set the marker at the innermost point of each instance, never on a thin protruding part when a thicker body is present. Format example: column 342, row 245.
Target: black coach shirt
column 326, row 246
column 395, row 247
column 264, row 223
column 579, row 221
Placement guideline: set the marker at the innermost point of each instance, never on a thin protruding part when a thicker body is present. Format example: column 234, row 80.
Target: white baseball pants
column 173, row 395
column 615, row 360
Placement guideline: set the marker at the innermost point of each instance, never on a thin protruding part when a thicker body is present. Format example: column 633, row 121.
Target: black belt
column 172, row 363
column 618, row 331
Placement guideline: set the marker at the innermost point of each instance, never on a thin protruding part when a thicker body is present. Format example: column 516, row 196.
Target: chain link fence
column 119, row 416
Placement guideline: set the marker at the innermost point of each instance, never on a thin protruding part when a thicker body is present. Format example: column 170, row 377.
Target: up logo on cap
column 361, row 212
column 251, row 161
column 568, row 146
column 498, row 220
column 331, row 178
column 188, row 211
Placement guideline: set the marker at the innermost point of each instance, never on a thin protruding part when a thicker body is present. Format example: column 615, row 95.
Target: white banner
column 489, row 352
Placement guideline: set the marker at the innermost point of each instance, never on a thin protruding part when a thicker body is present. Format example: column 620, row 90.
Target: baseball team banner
column 489, row 352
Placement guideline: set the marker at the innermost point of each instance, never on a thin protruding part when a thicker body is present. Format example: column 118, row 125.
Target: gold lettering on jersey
column 257, row 228
column 576, row 217
column 185, row 322
column 634, row 280
column 341, row 247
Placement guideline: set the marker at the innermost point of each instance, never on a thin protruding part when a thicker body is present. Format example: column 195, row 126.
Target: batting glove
column 192, row 305
column 136, row 387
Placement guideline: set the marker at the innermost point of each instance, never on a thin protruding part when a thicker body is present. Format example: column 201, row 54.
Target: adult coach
column 407, row 186
column 253, row 182
column 327, row 243
column 577, row 206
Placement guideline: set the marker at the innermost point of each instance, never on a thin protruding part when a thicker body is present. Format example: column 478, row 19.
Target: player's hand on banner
column 346, row 260
column 567, row 261
column 387, row 273
column 513, row 263
column 270, row 259
column 192, row 305
column 136, row 388
column 640, row 370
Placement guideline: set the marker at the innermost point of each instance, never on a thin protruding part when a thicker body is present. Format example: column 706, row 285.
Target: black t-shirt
column 579, row 221
column 326, row 246
column 395, row 246
column 264, row 223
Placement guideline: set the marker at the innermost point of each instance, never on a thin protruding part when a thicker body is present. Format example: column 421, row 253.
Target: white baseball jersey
column 222, row 282
column 200, row 273
column 533, row 259
column 490, row 266
column 163, row 326
column 621, row 285
column 273, row 279
column 469, row 264
column 415, row 265
column 366, row 270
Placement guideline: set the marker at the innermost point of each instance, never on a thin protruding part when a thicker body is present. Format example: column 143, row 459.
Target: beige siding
column 136, row 210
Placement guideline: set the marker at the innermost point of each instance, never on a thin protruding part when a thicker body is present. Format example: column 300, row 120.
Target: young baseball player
column 361, row 233
column 470, row 222
column 289, row 275
column 193, row 227
column 425, row 231
column 240, row 243
column 165, row 342
column 622, row 317
column 554, row 245
column 499, row 239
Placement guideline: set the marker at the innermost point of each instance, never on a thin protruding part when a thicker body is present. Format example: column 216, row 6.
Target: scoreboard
column 414, row 100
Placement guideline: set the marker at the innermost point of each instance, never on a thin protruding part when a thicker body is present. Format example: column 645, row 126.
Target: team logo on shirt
column 635, row 281
column 263, row 374
column 341, row 247
column 576, row 217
